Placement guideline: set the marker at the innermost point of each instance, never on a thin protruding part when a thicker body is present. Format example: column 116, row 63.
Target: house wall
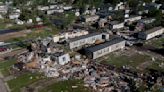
column 156, row 33
column 63, row 59
column 133, row 19
column 118, row 26
column 91, row 19
column 84, row 41
column 145, row 36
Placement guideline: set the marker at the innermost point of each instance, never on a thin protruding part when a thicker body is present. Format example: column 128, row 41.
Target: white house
column 100, row 50
column 83, row 40
column 61, row 58
column 49, row 12
column 59, row 10
column 43, row 8
column 67, row 8
column 116, row 25
column 3, row 9
column 52, row 6
column 92, row 18
column 148, row 34
column 133, row 18
column 29, row 21
column 14, row 16
column 19, row 22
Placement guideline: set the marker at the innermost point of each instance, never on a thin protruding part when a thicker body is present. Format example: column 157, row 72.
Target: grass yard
column 2, row 26
column 132, row 60
column 156, row 66
column 157, row 42
column 66, row 86
column 34, row 34
column 5, row 66
column 23, row 80
column 68, row 18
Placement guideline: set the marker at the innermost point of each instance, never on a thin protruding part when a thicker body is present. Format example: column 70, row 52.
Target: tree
column 147, row 1
column 25, row 15
column 113, row 2
column 19, row 2
column 84, row 3
column 133, row 3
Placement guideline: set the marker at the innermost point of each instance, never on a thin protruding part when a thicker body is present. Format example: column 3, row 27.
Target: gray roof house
column 148, row 34
column 100, row 50
column 83, row 40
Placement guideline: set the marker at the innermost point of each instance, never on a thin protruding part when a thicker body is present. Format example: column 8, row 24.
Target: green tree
column 147, row 1
column 113, row 2
column 91, row 3
column 19, row 2
column 25, row 15
column 133, row 3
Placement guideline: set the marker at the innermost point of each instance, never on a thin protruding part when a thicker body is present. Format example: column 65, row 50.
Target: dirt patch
column 8, row 36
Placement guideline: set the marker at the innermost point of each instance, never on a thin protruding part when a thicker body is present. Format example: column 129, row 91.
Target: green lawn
column 23, row 80
column 156, row 66
column 68, row 18
column 157, row 43
column 132, row 60
column 2, row 26
column 66, row 86
column 5, row 66
column 33, row 35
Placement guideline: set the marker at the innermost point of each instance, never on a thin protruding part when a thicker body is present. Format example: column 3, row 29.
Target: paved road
column 2, row 86
column 7, row 31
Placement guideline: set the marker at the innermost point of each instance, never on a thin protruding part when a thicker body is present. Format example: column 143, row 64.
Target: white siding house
column 116, row 25
column 97, row 51
column 83, row 40
column 133, row 18
column 92, row 18
column 148, row 34
column 61, row 58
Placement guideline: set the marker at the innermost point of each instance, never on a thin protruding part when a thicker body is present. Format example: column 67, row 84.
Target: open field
column 158, row 43
column 12, row 53
column 8, row 36
column 5, row 67
column 134, row 59
column 66, row 86
column 23, row 80
column 157, row 65
column 130, row 60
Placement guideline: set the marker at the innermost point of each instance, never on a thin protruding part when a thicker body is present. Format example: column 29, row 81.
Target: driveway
column 2, row 86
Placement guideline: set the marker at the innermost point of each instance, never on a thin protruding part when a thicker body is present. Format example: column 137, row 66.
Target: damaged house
column 61, row 58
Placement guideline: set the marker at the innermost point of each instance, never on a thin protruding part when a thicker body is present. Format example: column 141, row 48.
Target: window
column 64, row 59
